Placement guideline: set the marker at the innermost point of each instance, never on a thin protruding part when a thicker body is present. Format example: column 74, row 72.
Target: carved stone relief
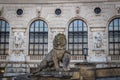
column 98, row 39
column 19, row 39
column 77, row 10
column 117, row 9
column 38, row 11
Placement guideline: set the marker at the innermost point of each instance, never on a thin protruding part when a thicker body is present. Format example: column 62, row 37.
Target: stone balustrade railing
column 115, row 58
column 77, row 57
column 3, row 57
column 36, row 57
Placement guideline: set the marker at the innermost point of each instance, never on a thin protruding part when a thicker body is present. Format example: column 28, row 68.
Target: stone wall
column 97, row 23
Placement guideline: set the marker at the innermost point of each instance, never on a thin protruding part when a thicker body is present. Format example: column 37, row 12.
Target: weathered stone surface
column 87, row 71
column 57, row 55
column 108, row 72
column 46, row 75
column 60, row 24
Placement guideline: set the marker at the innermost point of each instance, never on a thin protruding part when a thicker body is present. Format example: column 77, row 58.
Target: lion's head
column 59, row 41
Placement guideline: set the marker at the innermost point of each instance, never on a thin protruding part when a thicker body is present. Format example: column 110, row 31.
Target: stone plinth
column 49, row 78
column 46, row 75
column 54, row 74
column 87, row 71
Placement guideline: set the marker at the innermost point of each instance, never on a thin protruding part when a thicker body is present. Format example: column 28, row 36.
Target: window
column 114, row 37
column 38, row 38
column 77, row 37
column 4, row 37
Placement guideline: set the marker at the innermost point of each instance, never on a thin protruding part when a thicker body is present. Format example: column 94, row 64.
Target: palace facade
column 28, row 27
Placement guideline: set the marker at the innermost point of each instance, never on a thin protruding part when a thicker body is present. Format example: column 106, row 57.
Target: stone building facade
column 97, row 22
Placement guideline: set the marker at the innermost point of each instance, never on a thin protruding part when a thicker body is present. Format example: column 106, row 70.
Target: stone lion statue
column 58, row 55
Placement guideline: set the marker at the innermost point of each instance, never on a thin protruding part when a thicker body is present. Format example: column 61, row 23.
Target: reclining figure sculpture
column 58, row 55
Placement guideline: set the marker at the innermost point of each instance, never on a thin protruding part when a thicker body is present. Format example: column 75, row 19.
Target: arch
column 4, row 37
column 74, row 18
column 38, row 37
column 114, row 35
column 113, row 17
column 36, row 18
column 77, row 36
column 2, row 18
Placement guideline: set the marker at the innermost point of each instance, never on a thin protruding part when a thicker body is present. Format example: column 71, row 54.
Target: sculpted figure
column 57, row 55
column 19, row 40
column 98, row 40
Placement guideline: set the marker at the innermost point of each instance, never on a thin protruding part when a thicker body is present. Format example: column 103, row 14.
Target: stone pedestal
column 53, row 75
column 48, row 78
column 46, row 75
column 87, row 71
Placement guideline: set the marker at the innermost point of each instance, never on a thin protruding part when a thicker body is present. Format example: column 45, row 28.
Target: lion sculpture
column 58, row 55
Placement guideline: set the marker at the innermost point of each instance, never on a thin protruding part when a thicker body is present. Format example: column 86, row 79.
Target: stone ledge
column 93, row 29
column 99, row 49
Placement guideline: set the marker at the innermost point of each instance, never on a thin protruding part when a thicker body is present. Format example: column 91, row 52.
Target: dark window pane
column 119, row 24
column 77, row 36
column 46, row 29
column 114, row 36
column 85, row 27
column 70, row 28
column 7, row 38
column 7, row 27
column 46, row 39
column 111, row 46
column 38, row 39
column 32, row 28
column 111, row 52
column 3, row 26
column 4, row 37
column 111, row 26
column 36, row 29
column 70, row 39
column 31, row 46
column 116, row 24
column 41, row 24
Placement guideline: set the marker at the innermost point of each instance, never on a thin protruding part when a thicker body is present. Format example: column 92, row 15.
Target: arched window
column 114, row 37
column 4, row 37
column 38, row 38
column 77, row 37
